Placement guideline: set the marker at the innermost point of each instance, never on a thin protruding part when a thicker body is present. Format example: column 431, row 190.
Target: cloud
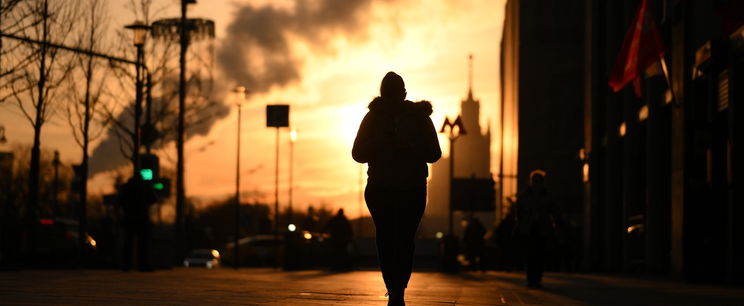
column 258, row 53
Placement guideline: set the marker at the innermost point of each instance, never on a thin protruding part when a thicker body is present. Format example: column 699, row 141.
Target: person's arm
column 368, row 142
column 427, row 147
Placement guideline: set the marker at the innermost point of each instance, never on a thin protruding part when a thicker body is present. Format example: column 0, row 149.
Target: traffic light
column 150, row 167
column 162, row 187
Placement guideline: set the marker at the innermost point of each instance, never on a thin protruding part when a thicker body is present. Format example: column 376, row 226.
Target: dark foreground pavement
column 272, row 287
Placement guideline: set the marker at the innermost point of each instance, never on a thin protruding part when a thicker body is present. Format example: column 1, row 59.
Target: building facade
column 660, row 174
column 472, row 160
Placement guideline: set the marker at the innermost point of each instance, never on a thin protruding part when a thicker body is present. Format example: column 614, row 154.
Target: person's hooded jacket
column 397, row 140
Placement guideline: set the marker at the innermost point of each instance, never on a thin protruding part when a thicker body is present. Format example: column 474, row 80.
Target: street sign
column 473, row 194
column 277, row 115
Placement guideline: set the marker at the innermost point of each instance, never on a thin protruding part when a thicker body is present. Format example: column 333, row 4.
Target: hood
column 422, row 107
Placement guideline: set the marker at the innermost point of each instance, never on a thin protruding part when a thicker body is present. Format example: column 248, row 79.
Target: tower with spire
column 472, row 160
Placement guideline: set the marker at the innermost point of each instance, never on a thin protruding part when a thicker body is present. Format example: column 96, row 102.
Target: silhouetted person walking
column 135, row 198
column 474, row 243
column 339, row 229
column 397, row 139
column 536, row 219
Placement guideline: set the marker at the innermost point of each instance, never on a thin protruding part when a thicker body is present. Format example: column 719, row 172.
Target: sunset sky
column 339, row 64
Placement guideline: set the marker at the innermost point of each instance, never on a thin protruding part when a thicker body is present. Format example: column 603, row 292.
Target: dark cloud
column 257, row 54
column 257, row 51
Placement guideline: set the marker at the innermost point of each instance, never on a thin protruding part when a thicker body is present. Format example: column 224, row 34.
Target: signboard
column 277, row 115
column 473, row 194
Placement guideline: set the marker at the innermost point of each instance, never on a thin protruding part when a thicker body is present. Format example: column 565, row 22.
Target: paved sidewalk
column 223, row 286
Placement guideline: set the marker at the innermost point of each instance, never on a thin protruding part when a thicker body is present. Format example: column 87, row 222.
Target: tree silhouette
column 37, row 87
column 83, row 112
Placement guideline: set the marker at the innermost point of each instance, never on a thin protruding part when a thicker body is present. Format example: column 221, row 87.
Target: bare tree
column 161, row 57
column 37, row 88
column 83, row 112
column 12, row 21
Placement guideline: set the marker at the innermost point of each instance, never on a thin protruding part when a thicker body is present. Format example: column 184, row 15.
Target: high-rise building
column 472, row 160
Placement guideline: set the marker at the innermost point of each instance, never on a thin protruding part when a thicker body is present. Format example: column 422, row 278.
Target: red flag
column 641, row 48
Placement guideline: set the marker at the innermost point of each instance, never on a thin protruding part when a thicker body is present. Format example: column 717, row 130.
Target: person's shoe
column 395, row 297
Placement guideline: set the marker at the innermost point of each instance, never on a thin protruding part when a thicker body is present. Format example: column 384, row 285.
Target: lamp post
column 55, row 189
column 292, row 140
column 452, row 137
column 240, row 91
column 139, row 29
column 449, row 257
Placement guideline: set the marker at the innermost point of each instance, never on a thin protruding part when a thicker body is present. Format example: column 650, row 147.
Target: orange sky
column 426, row 42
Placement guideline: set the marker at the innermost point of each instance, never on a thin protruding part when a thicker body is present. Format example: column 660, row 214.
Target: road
column 224, row 286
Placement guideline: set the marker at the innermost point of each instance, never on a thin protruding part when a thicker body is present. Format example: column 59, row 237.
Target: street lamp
column 240, row 92
column 292, row 140
column 139, row 29
column 180, row 188
column 452, row 137
column 139, row 36
column 449, row 256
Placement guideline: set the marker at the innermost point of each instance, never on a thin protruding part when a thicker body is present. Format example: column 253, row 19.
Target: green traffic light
column 146, row 174
column 158, row 186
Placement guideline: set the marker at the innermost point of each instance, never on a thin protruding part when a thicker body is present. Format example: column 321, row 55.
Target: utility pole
column 55, row 188
column 277, row 116
column 452, row 137
column 180, row 189
column 500, row 200
column 450, row 244
column 292, row 139
column 241, row 97
column 276, row 202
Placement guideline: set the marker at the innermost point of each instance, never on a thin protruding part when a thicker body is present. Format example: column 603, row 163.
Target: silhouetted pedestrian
column 397, row 139
column 310, row 223
column 506, row 241
column 339, row 229
column 474, row 243
column 135, row 198
column 536, row 218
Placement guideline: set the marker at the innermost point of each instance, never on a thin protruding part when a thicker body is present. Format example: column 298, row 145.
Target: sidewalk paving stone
column 224, row 286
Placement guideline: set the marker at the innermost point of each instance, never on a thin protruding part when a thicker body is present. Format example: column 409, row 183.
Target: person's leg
column 539, row 260
column 411, row 210
column 530, row 256
column 535, row 261
column 378, row 202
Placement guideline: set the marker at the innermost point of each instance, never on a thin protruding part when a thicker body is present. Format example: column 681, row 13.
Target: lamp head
column 140, row 32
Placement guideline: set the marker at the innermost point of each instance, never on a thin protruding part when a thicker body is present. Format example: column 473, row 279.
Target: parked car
column 258, row 250
column 202, row 258
column 57, row 242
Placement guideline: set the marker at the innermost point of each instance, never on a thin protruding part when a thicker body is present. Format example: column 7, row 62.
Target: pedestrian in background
column 339, row 230
column 536, row 217
column 474, row 243
column 135, row 198
column 397, row 139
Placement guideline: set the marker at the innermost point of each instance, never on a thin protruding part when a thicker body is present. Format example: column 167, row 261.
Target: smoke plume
column 257, row 51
